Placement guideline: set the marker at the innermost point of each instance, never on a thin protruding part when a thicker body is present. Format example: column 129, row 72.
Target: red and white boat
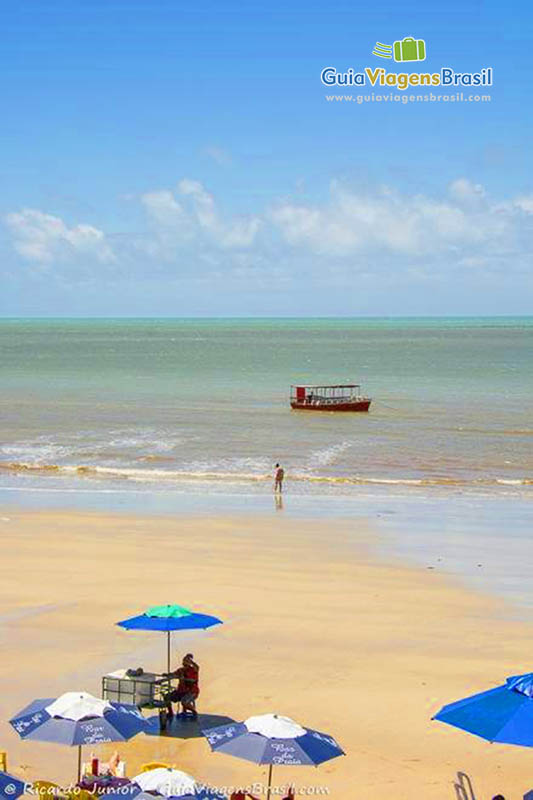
column 334, row 397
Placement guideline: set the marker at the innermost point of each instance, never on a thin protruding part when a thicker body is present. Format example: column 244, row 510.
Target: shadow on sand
column 187, row 728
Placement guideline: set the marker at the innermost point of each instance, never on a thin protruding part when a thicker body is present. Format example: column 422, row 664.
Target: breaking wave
column 167, row 476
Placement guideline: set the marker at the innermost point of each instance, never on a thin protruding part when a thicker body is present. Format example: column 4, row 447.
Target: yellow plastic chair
column 80, row 794
column 155, row 765
column 3, row 761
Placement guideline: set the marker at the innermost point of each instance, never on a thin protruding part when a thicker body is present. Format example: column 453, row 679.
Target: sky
column 161, row 158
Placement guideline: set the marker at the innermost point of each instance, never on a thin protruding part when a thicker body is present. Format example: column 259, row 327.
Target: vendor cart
column 136, row 687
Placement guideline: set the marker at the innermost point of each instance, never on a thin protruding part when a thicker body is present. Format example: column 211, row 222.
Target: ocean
column 191, row 404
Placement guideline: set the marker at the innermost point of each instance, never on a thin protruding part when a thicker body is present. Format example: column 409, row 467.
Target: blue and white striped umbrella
column 273, row 740
column 10, row 787
column 161, row 782
column 77, row 719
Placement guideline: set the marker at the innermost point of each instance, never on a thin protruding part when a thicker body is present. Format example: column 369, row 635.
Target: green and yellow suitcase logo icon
column 410, row 49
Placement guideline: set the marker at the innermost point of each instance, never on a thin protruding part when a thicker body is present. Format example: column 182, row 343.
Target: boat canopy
column 313, row 393
column 325, row 386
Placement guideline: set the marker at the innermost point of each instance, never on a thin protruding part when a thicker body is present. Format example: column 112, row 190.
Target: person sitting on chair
column 112, row 767
column 188, row 688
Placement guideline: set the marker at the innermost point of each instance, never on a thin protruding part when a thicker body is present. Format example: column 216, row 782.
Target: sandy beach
column 316, row 627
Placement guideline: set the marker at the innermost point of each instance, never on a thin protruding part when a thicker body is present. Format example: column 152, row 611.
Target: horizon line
column 8, row 318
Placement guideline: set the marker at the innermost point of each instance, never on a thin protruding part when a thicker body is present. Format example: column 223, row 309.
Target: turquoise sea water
column 189, row 403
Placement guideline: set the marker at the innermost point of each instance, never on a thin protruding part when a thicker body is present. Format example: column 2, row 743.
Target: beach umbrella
column 165, row 782
column 77, row 719
column 503, row 714
column 167, row 619
column 274, row 740
column 10, row 787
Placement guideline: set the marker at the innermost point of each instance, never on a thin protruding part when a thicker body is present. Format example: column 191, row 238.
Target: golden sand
column 316, row 628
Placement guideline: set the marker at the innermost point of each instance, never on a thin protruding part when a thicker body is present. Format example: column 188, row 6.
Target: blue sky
column 166, row 159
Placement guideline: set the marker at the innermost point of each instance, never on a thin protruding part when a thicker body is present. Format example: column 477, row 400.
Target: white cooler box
column 138, row 690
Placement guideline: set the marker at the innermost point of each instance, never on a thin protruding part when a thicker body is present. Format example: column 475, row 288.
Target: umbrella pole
column 168, row 651
column 79, row 762
column 269, row 782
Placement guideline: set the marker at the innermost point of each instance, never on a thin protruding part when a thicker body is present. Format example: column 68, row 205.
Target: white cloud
column 219, row 155
column 45, row 238
column 162, row 207
column 388, row 233
column 196, row 215
column 525, row 203
column 464, row 190
column 350, row 223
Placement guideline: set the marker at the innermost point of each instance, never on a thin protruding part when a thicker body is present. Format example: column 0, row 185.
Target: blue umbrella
column 10, row 787
column 169, row 618
column 273, row 740
column 503, row 714
column 77, row 719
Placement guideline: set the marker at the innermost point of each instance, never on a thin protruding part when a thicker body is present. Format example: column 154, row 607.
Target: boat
column 333, row 397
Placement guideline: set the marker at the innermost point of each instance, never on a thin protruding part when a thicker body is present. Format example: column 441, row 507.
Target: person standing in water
column 278, row 478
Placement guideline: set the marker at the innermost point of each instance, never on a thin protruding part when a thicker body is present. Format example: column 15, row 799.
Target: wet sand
column 316, row 627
